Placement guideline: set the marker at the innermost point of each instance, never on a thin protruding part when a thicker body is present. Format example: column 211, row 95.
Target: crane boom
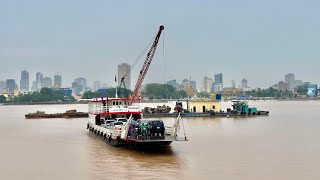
column 146, row 64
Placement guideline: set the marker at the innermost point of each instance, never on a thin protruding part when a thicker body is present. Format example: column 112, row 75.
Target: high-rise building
column 11, row 85
column 81, row 81
column 96, row 86
column 289, row 79
column 218, row 82
column 24, row 81
column 244, row 83
column 39, row 80
column 124, row 71
column 218, row 79
column 57, row 80
column 47, row 82
column 207, row 84
column 79, row 85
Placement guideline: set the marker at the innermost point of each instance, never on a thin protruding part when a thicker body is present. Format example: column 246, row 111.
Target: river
column 283, row 145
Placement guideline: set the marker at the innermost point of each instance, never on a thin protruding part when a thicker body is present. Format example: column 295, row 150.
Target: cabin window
column 117, row 103
column 113, row 103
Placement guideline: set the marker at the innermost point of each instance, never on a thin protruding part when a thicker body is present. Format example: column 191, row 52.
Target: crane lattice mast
column 146, row 65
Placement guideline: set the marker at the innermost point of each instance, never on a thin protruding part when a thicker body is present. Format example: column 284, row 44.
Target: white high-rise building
column 289, row 79
column 124, row 71
column 207, row 84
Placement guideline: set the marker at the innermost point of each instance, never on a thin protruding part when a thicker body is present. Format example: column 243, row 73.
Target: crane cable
column 136, row 61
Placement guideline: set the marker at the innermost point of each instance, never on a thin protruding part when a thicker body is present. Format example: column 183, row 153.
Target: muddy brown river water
column 284, row 145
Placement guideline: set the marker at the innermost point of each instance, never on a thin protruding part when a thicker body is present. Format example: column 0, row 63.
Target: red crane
column 146, row 65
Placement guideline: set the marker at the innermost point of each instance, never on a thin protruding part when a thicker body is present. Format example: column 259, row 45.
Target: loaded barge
column 239, row 109
column 117, row 123
column 67, row 114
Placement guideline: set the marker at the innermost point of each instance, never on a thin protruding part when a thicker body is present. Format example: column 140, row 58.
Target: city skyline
column 216, row 83
column 239, row 39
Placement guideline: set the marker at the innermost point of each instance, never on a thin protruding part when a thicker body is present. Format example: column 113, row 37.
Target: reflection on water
column 284, row 145
column 132, row 163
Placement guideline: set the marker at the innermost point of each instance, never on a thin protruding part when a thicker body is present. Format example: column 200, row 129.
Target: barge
column 119, row 124
column 239, row 109
column 68, row 114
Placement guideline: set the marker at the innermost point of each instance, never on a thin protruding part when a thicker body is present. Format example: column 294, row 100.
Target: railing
column 99, row 108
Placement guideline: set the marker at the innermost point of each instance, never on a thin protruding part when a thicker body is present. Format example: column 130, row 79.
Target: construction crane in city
column 146, row 65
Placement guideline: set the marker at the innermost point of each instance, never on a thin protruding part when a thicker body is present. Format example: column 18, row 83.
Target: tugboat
column 118, row 122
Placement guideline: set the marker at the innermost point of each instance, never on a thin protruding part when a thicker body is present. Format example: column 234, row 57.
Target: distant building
column 79, row 85
column 207, row 84
column 39, row 80
column 11, row 85
column 96, row 86
column 57, row 80
column 244, row 83
column 312, row 90
column 24, row 81
column 81, row 81
column 218, row 83
column 193, row 85
column 66, row 91
column 217, row 88
column 47, row 82
column 283, row 86
column 3, row 87
column 35, row 87
column 124, row 71
column 218, row 79
column 289, row 79
column 173, row 83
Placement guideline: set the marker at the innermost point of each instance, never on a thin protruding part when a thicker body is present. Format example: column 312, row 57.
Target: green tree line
column 45, row 95
column 153, row 91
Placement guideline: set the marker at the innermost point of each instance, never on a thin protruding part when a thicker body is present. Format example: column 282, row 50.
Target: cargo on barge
column 67, row 114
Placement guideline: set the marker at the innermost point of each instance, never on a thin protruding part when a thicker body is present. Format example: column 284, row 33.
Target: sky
column 260, row 40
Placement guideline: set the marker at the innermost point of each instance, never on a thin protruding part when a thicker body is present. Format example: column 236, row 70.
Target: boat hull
column 153, row 143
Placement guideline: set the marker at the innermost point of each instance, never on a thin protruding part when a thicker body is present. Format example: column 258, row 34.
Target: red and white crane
column 146, row 65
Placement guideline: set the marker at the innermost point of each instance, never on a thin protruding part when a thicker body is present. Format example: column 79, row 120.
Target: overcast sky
column 260, row 40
